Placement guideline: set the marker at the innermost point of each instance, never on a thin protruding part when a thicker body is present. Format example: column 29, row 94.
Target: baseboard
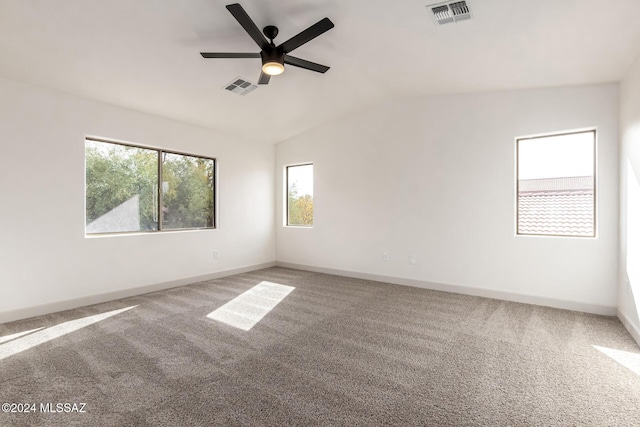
column 39, row 310
column 632, row 328
column 465, row 290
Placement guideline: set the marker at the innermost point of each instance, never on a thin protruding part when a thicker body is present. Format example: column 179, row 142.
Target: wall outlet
column 216, row 255
column 412, row 259
column 385, row 256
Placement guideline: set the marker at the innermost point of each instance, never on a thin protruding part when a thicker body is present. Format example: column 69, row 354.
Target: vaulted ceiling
column 144, row 54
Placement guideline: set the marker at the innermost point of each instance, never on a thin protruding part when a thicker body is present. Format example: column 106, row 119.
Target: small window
column 122, row 189
column 556, row 176
column 300, row 195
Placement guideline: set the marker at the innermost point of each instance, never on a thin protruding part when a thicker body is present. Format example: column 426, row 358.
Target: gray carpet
column 335, row 351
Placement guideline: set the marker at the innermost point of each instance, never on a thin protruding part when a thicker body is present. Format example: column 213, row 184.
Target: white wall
column 435, row 178
column 629, row 283
column 429, row 177
column 44, row 255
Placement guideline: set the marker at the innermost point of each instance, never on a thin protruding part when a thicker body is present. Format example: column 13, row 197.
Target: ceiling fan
column 274, row 57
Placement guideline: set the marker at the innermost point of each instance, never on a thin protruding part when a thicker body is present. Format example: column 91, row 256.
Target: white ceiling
column 144, row 54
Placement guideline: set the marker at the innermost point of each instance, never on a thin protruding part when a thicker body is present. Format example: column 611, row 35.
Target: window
column 122, row 183
column 187, row 192
column 300, row 195
column 556, row 184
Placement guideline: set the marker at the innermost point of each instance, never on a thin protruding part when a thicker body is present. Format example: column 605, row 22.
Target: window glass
column 122, row 189
column 556, row 184
column 300, row 195
column 187, row 191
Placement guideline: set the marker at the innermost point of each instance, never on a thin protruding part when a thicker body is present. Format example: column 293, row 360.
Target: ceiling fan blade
column 309, row 34
column 307, row 65
column 229, row 55
column 264, row 78
column 247, row 23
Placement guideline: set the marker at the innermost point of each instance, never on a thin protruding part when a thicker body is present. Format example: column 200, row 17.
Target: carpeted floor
column 334, row 351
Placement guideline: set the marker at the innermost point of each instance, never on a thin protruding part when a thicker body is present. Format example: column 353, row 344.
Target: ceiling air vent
column 444, row 13
column 240, row 86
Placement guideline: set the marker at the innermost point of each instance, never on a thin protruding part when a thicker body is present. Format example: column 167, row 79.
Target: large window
column 300, row 195
column 131, row 189
column 556, row 176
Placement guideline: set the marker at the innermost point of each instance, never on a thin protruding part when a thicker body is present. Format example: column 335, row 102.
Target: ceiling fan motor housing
column 272, row 55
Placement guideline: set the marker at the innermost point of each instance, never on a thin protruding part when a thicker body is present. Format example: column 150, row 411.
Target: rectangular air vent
column 444, row 13
column 240, row 86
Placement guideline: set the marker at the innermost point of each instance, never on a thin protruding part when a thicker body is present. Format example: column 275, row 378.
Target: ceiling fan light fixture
column 273, row 68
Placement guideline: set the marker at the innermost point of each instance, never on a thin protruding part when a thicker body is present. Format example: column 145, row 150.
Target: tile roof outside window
column 556, row 206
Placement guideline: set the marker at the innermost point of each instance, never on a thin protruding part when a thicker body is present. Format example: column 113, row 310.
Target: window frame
column 159, row 195
column 594, row 131
column 286, row 195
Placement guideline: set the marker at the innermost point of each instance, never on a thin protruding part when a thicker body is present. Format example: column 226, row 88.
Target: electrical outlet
column 385, row 256
column 412, row 259
column 216, row 255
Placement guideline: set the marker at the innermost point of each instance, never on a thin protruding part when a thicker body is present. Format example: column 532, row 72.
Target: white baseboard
column 466, row 290
column 23, row 313
column 632, row 328
column 39, row 310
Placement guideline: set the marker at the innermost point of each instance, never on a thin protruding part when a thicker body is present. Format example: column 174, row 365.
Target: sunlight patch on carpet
column 18, row 335
column 627, row 359
column 37, row 337
column 248, row 308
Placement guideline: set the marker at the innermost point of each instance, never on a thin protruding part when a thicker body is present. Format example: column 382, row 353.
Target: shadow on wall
column 628, row 359
column 633, row 237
